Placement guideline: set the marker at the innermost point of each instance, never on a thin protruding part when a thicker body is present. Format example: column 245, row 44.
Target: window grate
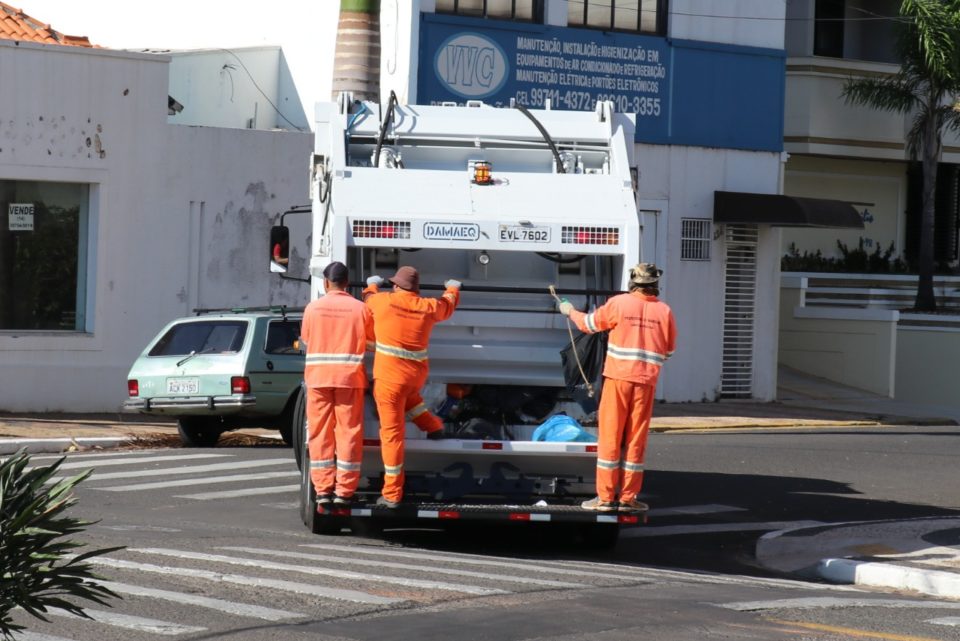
column 695, row 239
column 517, row 10
column 739, row 311
column 381, row 229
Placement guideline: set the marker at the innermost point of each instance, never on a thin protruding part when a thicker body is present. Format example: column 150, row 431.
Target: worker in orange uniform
column 402, row 322
column 643, row 335
column 335, row 329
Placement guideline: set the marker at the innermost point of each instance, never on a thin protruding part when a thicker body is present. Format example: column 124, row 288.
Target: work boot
column 436, row 435
column 342, row 501
column 597, row 505
column 633, row 505
column 387, row 503
column 324, row 500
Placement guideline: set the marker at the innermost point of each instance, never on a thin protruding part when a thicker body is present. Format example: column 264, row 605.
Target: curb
column 886, row 575
column 57, row 445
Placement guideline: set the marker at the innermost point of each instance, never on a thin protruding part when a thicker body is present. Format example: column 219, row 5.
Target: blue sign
column 532, row 64
column 682, row 92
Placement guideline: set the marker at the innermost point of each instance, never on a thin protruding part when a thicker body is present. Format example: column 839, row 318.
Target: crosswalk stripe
column 241, row 609
column 945, row 621
column 406, row 566
column 444, row 558
column 135, row 460
column 206, row 480
column 307, row 569
column 189, row 469
column 232, row 494
column 129, row 622
column 249, row 581
column 26, row 635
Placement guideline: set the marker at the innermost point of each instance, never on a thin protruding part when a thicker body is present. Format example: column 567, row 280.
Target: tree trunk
column 356, row 64
column 926, row 301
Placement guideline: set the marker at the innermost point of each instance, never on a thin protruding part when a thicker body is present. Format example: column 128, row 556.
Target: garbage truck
column 509, row 202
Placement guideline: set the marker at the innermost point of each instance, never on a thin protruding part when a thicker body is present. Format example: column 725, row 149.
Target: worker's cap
column 337, row 272
column 645, row 274
column 407, row 278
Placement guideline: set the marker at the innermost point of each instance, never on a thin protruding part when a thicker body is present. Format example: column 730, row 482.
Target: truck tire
column 298, row 428
column 198, row 431
column 308, row 507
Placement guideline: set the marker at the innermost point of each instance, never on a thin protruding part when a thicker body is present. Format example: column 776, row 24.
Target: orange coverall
column 402, row 322
column 643, row 335
column 335, row 329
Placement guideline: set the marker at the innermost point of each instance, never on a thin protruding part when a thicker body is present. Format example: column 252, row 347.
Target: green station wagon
column 221, row 370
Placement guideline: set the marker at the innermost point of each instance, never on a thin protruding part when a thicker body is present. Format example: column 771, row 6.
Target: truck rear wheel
column 308, row 504
column 198, row 431
column 298, row 428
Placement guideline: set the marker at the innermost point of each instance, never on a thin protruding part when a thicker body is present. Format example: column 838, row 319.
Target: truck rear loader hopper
column 509, row 202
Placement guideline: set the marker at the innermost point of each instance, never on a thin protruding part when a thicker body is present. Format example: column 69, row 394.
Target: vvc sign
column 471, row 65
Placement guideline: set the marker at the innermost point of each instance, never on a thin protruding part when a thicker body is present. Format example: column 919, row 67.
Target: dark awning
column 783, row 211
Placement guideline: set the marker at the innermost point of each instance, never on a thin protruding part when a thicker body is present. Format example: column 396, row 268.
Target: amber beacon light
column 482, row 172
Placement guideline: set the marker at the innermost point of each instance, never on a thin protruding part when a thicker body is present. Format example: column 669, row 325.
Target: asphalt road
column 215, row 550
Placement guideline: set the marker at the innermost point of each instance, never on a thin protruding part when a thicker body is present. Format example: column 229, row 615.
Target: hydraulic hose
column 546, row 136
column 387, row 118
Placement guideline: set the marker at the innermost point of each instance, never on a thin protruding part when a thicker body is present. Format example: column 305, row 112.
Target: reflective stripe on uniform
column 321, row 464
column 399, row 352
column 634, row 354
column 416, row 411
column 334, row 359
column 590, row 323
column 632, row 467
column 393, row 470
column 347, row 466
column 608, row 465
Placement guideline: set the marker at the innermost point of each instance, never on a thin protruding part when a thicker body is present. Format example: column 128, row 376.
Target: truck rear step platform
column 476, row 511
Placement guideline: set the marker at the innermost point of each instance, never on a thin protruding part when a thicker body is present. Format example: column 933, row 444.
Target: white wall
column 248, row 88
column 153, row 255
column 748, row 23
column 687, row 177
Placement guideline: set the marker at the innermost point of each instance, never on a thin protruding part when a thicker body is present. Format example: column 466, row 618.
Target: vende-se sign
column 21, row 216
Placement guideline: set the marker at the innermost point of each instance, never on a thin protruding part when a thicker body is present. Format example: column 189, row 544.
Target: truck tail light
column 577, row 235
column 397, row 229
column 133, row 387
column 239, row 385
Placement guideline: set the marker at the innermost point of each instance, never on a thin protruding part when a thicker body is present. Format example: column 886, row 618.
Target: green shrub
column 38, row 568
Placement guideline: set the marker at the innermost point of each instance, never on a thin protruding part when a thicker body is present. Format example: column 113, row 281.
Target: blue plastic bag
column 561, row 428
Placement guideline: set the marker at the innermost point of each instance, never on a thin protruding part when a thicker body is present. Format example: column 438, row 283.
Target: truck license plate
column 524, row 234
column 183, row 385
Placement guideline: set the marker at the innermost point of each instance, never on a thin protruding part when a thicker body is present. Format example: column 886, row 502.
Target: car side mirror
column 279, row 249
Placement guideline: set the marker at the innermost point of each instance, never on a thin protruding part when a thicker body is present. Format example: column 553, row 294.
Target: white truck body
column 421, row 207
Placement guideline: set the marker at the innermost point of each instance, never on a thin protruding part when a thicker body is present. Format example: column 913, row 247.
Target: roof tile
column 16, row 25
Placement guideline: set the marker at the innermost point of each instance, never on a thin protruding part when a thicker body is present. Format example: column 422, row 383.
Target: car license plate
column 524, row 234
column 183, row 385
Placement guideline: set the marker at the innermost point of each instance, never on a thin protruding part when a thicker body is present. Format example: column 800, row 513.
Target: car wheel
column 199, row 432
column 298, row 428
column 287, row 419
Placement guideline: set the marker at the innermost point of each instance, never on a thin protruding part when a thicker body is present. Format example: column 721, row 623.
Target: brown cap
column 407, row 278
column 645, row 274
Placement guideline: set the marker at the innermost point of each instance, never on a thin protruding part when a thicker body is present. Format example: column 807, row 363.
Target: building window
column 519, row 10
column 43, row 255
column 828, row 28
column 694, row 239
column 641, row 16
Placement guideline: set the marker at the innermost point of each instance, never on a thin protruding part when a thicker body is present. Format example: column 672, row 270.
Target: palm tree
column 927, row 87
column 356, row 63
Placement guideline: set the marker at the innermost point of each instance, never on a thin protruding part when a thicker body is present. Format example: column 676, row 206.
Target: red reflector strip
column 371, row 441
column 449, row 515
column 492, row 445
column 519, row 516
column 626, row 518
column 591, row 448
column 340, row 511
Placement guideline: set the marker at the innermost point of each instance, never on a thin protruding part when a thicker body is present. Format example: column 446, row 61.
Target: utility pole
column 356, row 64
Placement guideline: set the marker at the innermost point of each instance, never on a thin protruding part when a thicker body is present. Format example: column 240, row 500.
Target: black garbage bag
column 592, row 350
